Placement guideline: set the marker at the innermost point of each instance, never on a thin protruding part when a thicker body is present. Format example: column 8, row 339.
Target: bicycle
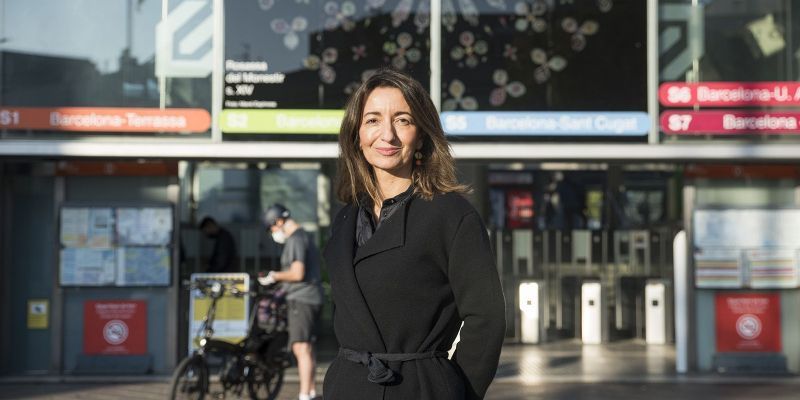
column 257, row 362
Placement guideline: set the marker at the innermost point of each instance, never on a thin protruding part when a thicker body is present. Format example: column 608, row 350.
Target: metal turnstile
column 591, row 312
column 656, row 312
column 531, row 312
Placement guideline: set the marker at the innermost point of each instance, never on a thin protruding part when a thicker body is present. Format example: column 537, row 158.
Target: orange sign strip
column 107, row 119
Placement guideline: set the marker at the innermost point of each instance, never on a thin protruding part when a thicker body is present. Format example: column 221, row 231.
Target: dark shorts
column 303, row 318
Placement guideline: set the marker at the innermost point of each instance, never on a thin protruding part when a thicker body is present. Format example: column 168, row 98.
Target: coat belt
column 378, row 371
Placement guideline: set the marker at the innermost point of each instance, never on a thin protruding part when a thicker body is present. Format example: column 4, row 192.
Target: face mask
column 279, row 237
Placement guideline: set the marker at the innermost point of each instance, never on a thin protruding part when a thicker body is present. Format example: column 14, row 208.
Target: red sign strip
column 108, row 119
column 729, row 122
column 729, row 94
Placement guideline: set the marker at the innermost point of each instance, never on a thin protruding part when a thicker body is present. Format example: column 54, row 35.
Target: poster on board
column 87, row 266
column 144, row 226
column 142, row 266
column 748, row 322
column 87, row 227
column 115, row 327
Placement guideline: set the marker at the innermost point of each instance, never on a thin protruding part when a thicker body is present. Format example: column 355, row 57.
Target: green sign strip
column 281, row 121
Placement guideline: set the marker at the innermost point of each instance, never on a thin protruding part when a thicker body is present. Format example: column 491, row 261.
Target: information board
column 115, row 246
column 737, row 248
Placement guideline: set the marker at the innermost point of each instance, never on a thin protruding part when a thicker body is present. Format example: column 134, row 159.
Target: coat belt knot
column 378, row 371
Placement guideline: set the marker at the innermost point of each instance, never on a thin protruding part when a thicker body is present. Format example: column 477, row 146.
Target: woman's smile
column 388, row 151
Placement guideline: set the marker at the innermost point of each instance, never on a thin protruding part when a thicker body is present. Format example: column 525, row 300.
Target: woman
column 408, row 257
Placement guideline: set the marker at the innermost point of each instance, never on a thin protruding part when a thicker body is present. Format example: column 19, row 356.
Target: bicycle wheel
column 190, row 380
column 265, row 383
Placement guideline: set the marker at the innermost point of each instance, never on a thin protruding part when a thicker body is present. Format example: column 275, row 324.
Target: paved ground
column 562, row 370
column 572, row 360
column 498, row 391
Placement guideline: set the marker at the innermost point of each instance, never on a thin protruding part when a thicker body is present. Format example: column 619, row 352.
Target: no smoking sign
column 115, row 327
column 748, row 322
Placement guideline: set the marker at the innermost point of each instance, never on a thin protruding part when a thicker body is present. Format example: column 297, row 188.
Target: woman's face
column 388, row 133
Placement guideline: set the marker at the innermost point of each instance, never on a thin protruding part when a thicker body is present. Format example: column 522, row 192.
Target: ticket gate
column 657, row 312
column 592, row 312
column 531, row 296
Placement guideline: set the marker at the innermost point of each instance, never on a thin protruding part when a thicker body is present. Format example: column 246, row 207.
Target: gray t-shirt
column 300, row 247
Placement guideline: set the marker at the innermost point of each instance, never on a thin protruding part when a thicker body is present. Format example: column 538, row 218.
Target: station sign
column 729, row 94
column 106, row 119
column 513, row 123
column 281, row 121
column 748, row 322
column 729, row 122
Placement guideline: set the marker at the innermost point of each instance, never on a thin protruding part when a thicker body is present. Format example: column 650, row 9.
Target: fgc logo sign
column 184, row 40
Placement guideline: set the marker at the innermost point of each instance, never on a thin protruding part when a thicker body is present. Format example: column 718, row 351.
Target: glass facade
column 734, row 63
column 106, row 67
column 743, row 40
column 532, row 69
column 286, row 58
column 523, row 56
column 544, row 55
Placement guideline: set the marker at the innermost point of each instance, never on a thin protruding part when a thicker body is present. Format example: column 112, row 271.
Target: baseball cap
column 274, row 213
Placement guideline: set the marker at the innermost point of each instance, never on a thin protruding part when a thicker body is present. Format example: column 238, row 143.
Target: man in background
column 223, row 256
column 300, row 270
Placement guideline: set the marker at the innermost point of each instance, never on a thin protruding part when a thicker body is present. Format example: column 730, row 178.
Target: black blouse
column 366, row 224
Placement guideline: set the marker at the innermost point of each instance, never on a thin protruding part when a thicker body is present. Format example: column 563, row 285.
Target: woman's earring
column 418, row 156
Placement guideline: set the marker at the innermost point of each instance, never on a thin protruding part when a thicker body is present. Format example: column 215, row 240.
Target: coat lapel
column 391, row 234
column 346, row 290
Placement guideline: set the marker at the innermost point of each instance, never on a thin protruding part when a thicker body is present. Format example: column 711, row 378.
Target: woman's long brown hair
column 436, row 174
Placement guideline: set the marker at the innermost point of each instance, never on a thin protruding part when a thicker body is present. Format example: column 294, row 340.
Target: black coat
column 426, row 269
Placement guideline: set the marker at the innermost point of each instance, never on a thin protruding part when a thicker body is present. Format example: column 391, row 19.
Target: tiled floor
column 573, row 360
column 559, row 370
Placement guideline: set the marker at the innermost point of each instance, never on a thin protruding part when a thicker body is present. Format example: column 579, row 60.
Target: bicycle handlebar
column 217, row 288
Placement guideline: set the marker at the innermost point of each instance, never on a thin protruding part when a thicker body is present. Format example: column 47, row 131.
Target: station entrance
column 580, row 248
